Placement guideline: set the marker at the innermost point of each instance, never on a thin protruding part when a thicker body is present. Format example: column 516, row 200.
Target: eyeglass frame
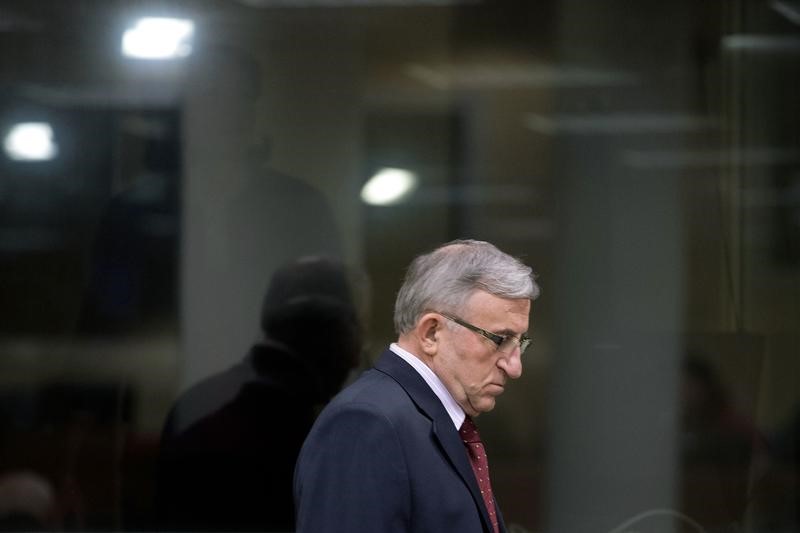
column 523, row 341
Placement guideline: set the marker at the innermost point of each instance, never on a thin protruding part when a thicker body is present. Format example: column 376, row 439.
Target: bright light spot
column 388, row 186
column 30, row 141
column 158, row 38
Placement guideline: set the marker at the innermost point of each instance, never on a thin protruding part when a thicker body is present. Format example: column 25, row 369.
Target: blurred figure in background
column 714, row 430
column 27, row 503
column 230, row 443
column 722, row 450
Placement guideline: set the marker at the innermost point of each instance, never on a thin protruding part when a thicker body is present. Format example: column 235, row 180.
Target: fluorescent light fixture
column 500, row 75
column 674, row 159
column 30, row 141
column 264, row 4
column 158, row 38
column 611, row 123
column 790, row 10
column 761, row 43
column 388, row 186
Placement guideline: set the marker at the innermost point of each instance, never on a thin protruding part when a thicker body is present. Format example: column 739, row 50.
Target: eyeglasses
column 505, row 343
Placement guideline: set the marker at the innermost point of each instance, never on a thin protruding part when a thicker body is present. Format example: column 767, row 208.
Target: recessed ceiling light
column 158, row 38
column 30, row 141
column 388, row 186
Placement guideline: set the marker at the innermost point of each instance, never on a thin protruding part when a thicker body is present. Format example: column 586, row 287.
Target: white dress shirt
column 453, row 409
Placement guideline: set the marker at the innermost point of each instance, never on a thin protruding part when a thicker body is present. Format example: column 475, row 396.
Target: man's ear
column 428, row 332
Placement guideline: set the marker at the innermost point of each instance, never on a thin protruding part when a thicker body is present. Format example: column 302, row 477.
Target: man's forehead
column 485, row 303
column 483, row 296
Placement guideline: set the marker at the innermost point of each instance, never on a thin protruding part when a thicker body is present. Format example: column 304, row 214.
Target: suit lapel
column 442, row 425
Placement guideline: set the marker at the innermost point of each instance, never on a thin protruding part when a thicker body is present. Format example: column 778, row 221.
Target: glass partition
column 173, row 172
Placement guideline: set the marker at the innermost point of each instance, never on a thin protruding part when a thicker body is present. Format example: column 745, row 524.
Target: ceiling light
column 158, row 38
column 494, row 75
column 617, row 123
column 388, row 186
column 670, row 159
column 30, row 141
column 761, row 43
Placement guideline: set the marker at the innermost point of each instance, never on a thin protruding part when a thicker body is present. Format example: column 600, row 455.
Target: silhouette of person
column 721, row 447
column 714, row 431
column 131, row 280
column 776, row 504
column 230, row 442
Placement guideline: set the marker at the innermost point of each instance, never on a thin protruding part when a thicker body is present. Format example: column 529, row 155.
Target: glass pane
column 207, row 209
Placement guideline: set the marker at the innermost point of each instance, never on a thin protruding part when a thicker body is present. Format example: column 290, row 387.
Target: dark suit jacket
column 385, row 456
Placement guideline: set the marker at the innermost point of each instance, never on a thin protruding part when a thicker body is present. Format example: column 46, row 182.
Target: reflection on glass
column 644, row 155
column 388, row 186
column 30, row 141
column 158, row 38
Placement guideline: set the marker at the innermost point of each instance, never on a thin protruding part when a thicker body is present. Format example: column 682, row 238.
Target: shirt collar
column 455, row 411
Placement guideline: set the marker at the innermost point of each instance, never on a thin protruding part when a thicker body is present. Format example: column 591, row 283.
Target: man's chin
column 484, row 405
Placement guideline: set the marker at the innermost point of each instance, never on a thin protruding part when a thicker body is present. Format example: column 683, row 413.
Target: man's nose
column 511, row 364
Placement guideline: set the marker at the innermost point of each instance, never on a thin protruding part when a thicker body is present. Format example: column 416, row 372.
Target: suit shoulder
column 373, row 391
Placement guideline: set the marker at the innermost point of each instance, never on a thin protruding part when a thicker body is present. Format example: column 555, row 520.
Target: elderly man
column 397, row 451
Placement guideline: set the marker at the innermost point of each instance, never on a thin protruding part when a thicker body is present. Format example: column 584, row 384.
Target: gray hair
column 445, row 278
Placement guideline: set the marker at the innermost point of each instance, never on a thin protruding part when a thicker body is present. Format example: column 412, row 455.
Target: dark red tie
column 480, row 465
